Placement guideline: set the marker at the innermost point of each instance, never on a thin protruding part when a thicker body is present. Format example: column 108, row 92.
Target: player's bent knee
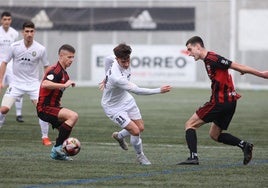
column 4, row 110
column 75, row 116
column 188, row 126
column 134, row 131
column 7, row 103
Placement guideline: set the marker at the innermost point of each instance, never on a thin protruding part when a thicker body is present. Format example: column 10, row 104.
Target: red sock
column 64, row 133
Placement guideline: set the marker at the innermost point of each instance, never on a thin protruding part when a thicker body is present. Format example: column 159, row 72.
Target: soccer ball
column 71, row 146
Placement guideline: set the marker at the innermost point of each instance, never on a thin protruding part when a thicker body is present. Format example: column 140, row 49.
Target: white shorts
column 123, row 116
column 29, row 89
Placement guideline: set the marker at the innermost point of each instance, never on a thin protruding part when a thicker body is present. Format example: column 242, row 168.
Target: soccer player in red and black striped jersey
column 49, row 109
column 221, row 107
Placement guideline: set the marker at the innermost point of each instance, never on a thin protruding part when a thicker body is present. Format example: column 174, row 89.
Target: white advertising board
column 151, row 65
column 253, row 29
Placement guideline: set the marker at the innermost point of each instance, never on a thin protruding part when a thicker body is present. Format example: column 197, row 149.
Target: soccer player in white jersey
column 8, row 35
column 119, row 105
column 27, row 54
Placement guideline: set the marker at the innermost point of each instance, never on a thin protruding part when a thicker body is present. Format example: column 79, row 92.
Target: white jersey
column 6, row 39
column 117, row 87
column 26, row 62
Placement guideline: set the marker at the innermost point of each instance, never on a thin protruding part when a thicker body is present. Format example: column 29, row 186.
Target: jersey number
column 120, row 120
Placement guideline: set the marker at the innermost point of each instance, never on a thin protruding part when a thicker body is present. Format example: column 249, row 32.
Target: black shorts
column 50, row 115
column 219, row 113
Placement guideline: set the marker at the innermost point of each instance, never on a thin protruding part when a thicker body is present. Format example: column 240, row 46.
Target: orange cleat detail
column 46, row 142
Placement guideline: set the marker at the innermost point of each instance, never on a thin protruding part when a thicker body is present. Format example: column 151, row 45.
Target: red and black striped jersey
column 52, row 97
column 222, row 87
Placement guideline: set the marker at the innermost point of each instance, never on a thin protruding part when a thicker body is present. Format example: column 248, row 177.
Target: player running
column 221, row 107
column 119, row 105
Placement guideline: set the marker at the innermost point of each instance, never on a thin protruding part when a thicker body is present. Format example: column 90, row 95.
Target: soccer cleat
column 122, row 142
column 142, row 159
column 46, row 141
column 190, row 161
column 247, row 150
column 19, row 119
column 55, row 156
column 58, row 151
column 66, row 158
column 63, row 158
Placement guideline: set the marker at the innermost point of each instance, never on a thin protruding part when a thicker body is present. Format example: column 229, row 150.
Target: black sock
column 191, row 140
column 64, row 133
column 229, row 139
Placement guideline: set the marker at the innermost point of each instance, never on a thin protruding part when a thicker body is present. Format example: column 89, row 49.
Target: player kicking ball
column 119, row 105
column 49, row 108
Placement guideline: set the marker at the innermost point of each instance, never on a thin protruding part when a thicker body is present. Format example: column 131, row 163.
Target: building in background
column 157, row 30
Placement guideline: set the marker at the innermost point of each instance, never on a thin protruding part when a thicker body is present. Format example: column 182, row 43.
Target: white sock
column 18, row 105
column 2, row 119
column 137, row 144
column 123, row 133
column 44, row 128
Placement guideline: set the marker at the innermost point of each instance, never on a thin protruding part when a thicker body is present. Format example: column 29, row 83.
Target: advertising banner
column 150, row 64
column 105, row 19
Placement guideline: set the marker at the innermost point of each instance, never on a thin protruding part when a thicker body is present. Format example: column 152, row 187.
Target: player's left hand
column 165, row 88
column 265, row 74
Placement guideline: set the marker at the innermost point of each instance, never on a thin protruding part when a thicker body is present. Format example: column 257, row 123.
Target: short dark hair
column 196, row 40
column 28, row 24
column 7, row 14
column 122, row 51
column 67, row 47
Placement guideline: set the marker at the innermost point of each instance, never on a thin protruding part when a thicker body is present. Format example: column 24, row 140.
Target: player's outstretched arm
column 244, row 69
column 132, row 87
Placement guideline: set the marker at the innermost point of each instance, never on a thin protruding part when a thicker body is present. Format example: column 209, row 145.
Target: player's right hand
column 102, row 85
